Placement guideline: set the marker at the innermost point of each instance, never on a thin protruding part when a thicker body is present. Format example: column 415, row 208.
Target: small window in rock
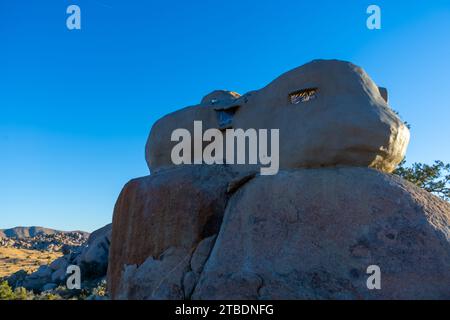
column 225, row 117
column 302, row 96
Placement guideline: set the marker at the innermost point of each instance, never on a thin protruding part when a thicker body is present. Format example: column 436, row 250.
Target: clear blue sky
column 76, row 106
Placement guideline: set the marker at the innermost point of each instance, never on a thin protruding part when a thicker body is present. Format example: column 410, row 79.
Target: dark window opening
column 225, row 117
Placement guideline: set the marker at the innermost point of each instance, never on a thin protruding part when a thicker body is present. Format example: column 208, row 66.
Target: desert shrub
column 47, row 296
column 22, row 294
column 6, row 293
column 100, row 290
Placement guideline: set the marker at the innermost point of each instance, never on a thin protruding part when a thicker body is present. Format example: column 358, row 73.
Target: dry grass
column 13, row 260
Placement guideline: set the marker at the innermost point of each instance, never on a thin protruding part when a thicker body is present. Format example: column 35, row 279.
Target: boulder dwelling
column 309, row 232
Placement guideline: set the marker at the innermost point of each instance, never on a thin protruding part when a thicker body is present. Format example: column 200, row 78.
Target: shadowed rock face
column 329, row 113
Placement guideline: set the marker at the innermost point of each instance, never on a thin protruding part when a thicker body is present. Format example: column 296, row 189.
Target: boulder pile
column 92, row 258
column 56, row 242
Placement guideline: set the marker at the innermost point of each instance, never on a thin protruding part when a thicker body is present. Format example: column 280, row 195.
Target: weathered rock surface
column 329, row 113
column 93, row 259
column 155, row 279
column 37, row 279
column 60, row 263
column 302, row 234
column 158, row 222
column 311, row 234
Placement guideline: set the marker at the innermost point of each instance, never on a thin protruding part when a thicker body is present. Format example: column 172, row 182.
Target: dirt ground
column 12, row 260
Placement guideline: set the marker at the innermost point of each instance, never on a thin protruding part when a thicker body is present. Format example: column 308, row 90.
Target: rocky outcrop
column 163, row 217
column 329, row 113
column 93, row 258
column 36, row 238
column 309, row 232
column 302, row 234
column 31, row 232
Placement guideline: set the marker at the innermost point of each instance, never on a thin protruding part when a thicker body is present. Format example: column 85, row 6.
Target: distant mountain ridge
column 30, row 232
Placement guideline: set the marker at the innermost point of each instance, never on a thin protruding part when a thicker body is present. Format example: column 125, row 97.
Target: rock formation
column 31, row 232
column 309, row 232
column 174, row 209
column 329, row 113
column 37, row 238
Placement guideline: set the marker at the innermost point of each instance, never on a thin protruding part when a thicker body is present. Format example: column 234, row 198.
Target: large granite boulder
column 158, row 222
column 302, row 234
column 329, row 113
column 312, row 234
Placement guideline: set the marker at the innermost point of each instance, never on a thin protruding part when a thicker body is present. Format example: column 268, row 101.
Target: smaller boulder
column 38, row 279
column 201, row 254
column 60, row 263
column 93, row 259
column 59, row 275
column 16, row 279
column 42, row 272
column 152, row 281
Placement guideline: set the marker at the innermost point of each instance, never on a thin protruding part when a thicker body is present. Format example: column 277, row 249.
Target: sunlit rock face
column 329, row 113
column 313, row 233
column 203, row 232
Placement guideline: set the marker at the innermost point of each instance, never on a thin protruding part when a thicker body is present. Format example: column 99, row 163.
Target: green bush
column 6, row 293
column 22, row 294
column 60, row 293
column 100, row 290
column 434, row 178
column 47, row 296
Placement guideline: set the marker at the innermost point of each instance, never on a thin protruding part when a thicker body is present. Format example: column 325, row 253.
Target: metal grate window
column 302, row 96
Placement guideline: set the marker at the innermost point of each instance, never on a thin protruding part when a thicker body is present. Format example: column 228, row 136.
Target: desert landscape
column 34, row 260
column 232, row 153
column 340, row 205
